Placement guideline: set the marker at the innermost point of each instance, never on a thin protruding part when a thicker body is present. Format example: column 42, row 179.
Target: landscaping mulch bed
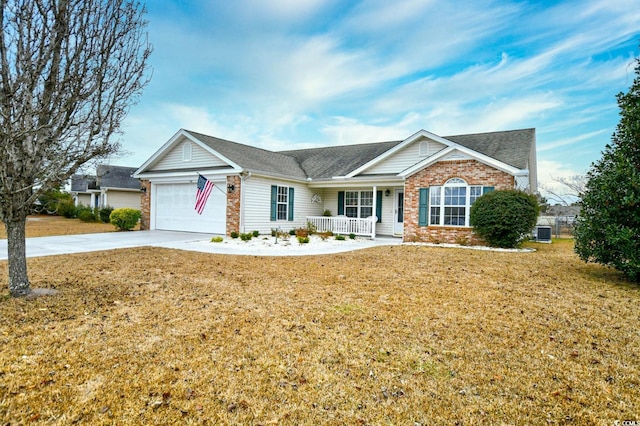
column 389, row 335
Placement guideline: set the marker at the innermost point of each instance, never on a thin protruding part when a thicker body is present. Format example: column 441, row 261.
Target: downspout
column 373, row 208
column 243, row 177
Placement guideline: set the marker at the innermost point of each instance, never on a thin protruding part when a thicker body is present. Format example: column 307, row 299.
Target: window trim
column 358, row 205
column 440, row 192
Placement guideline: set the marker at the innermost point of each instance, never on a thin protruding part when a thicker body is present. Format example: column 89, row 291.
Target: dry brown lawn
column 45, row 225
column 398, row 335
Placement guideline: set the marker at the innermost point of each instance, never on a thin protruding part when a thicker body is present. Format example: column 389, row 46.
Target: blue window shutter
column 274, row 202
column 290, row 203
column 486, row 189
column 340, row 203
column 423, row 207
column 379, row 206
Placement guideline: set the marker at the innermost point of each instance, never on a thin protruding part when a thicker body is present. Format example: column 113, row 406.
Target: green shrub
column 327, row 213
column 303, row 240
column 256, row 234
column 67, row 209
column 85, row 213
column 292, row 232
column 125, row 219
column 352, row 236
column 49, row 202
column 504, row 218
column 246, row 236
column 86, row 216
column 217, row 239
column 234, row 234
column 340, row 237
column 104, row 213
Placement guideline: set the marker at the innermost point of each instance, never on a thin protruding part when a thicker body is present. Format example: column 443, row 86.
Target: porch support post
column 373, row 209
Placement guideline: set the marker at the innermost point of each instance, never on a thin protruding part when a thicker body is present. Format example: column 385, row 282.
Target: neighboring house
column 112, row 186
column 419, row 188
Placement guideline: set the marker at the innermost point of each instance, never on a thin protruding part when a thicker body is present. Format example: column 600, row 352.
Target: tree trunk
column 18, row 280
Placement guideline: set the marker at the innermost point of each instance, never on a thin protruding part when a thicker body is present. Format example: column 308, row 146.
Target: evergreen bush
column 104, row 214
column 504, row 218
column 86, row 215
column 66, row 209
column 608, row 226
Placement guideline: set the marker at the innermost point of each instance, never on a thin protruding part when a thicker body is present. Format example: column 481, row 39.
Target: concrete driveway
column 67, row 244
column 190, row 241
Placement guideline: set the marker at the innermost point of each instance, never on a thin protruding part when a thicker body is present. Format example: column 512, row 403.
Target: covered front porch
column 361, row 209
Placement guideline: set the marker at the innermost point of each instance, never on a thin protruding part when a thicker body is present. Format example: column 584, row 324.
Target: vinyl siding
column 456, row 155
column 256, row 199
column 406, row 158
column 84, row 199
column 119, row 199
column 199, row 158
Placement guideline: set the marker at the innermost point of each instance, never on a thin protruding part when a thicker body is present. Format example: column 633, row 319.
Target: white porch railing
column 344, row 225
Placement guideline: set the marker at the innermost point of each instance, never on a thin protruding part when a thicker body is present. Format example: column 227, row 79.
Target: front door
column 398, row 222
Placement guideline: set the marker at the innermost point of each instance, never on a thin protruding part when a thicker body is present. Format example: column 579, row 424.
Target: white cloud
column 570, row 141
column 548, row 174
column 346, row 131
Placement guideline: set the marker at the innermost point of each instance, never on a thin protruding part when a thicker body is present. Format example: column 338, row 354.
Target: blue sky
column 286, row 74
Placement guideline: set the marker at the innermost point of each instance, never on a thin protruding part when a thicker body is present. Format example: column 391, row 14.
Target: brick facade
column 473, row 172
column 145, row 205
column 233, row 204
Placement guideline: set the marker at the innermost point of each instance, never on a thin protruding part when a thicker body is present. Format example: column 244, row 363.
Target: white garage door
column 175, row 208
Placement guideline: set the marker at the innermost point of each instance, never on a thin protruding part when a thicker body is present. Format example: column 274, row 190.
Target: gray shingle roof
column 327, row 162
column 82, row 183
column 254, row 159
column 512, row 147
column 106, row 177
column 116, row 177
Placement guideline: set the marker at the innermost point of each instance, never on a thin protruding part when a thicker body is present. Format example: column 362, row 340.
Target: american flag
column 204, row 189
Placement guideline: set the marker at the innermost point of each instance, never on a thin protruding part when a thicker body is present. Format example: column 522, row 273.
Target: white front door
column 398, row 221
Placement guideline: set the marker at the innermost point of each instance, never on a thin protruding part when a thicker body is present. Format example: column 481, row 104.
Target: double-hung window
column 449, row 204
column 358, row 204
column 282, row 203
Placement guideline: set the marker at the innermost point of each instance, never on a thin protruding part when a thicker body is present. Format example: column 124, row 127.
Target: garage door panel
column 175, row 208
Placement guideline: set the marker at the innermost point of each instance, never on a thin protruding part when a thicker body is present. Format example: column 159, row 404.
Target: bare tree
column 69, row 72
column 571, row 190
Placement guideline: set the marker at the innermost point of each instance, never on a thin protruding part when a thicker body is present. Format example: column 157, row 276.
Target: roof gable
column 170, row 156
column 508, row 148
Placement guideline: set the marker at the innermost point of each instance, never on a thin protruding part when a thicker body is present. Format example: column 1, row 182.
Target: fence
column 344, row 225
column 560, row 225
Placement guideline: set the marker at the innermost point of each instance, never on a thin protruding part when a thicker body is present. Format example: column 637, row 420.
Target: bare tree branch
column 69, row 72
column 572, row 189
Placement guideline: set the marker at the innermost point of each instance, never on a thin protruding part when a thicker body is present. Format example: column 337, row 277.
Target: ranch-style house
column 420, row 188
